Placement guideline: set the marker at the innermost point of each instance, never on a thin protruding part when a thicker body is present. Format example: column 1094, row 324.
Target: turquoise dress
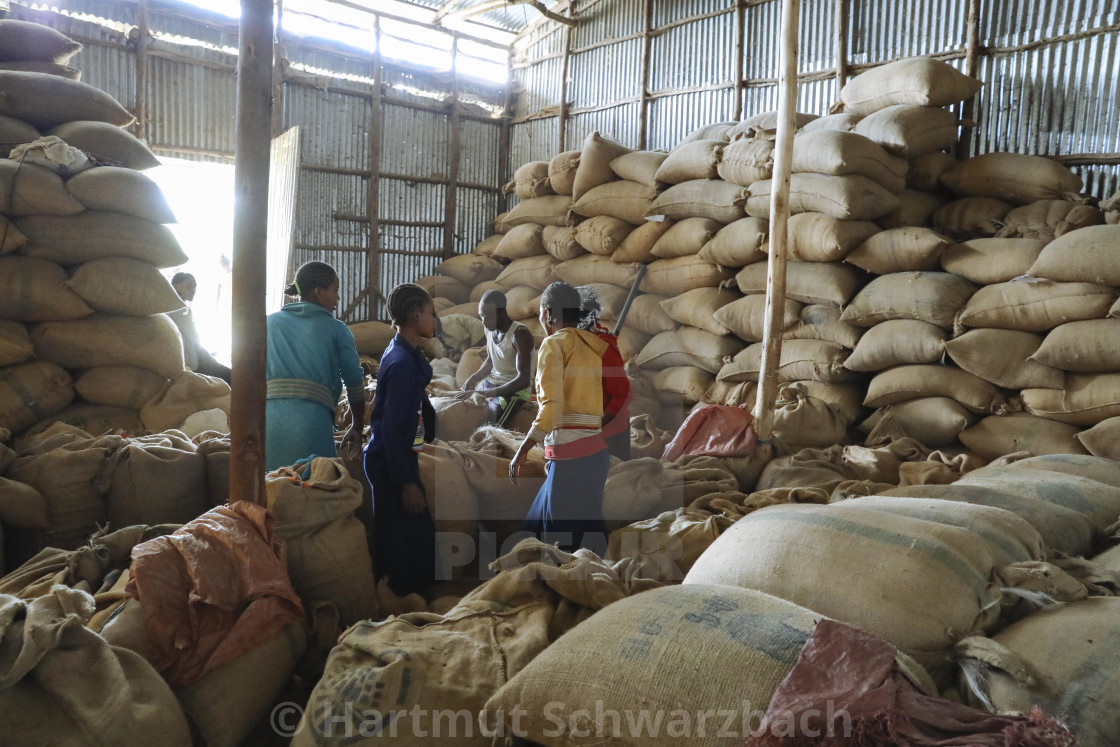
column 310, row 355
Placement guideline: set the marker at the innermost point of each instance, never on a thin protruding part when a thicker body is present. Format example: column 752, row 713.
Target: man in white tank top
column 505, row 374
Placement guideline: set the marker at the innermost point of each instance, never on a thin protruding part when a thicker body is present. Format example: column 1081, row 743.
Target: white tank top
column 502, row 349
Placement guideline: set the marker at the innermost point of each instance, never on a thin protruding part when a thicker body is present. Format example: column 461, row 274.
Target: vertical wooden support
column 278, row 72
column 454, row 141
column 250, row 254
column 779, row 219
column 562, row 128
column 647, row 48
column 971, row 64
column 500, row 200
column 740, row 58
column 142, row 70
column 842, row 17
column 373, row 185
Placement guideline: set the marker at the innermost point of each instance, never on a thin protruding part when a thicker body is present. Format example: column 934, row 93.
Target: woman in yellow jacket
column 568, row 510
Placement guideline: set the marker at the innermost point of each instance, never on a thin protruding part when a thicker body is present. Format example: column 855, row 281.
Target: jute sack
column 838, row 122
column 185, row 394
column 702, row 198
column 454, row 661
column 1086, row 400
column 998, row 435
column 457, row 419
column 816, row 237
column 647, row 315
column 915, row 209
column 32, row 391
column 933, row 421
column 10, row 236
column 611, row 297
column 21, row 505
column 688, row 346
column 717, row 131
column 745, row 317
column 157, row 483
column 14, row 132
column 560, row 242
column 535, row 272
column 845, row 399
column 897, row 342
column 638, row 244
column 934, row 297
column 1015, row 366
column 672, row 277
column 37, row 66
column 522, row 302
column 96, row 234
column 631, row 341
column 562, row 171
column 803, row 421
column 738, row 244
column 595, row 269
column 627, row 200
column 666, row 546
column 1049, row 219
column 594, row 166
column 121, row 190
column 44, row 101
column 924, row 172
column 633, row 492
column 326, row 545
column 107, row 141
column 746, row 161
column 1062, row 660
column 674, row 650
column 531, row 180
column 687, row 384
column 29, row 189
column 822, row 322
column 910, row 382
column 801, row 360
column 371, row 338
column 486, row 247
column 843, row 153
column 1103, row 439
column 91, row 419
column 900, row 250
column 698, row 307
column 685, row 237
column 119, row 285
column 910, row 131
column 959, row 593
column 15, row 344
column 502, row 505
column 24, row 40
column 469, row 269
column 1087, row 255
column 1036, row 305
column 971, row 217
column 991, row 261
column 849, row 197
column 440, row 286
column 765, row 125
column 1014, row 177
column 35, row 290
column 546, row 211
column 695, row 159
column 461, row 331
column 920, row 81
column 808, row 282
column 216, row 451
column 453, row 506
column 640, row 166
column 602, row 234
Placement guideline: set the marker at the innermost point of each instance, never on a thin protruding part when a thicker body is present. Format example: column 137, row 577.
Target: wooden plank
column 141, row 109
column 843, row 9
column 971, row 63
column 740, row 63
column 647, row 47
column 562, row 126
column 373, row 190
column 455, row 137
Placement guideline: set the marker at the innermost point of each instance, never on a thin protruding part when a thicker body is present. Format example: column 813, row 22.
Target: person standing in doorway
column 505, row 371
column 196, row 356
column 310, row 355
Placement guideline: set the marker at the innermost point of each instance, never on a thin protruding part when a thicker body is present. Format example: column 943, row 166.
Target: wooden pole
column 142, row 70
column 779, row 219
column 842, row 9
column 250, row 253
column 500, row 201
column 563, row 124
column 278, row 73
column 647, row 48
column 455, row 137
column 740, row 53
column 971, row 64
column 373, row 185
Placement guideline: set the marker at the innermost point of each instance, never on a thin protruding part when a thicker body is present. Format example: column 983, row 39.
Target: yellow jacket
column 569, row 382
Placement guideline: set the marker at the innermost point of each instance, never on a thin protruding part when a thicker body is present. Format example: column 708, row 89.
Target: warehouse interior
column 859, row 262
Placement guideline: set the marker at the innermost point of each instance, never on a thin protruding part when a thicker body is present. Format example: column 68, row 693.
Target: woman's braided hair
column 563, row 300
column 309, row 276
column 405, row 299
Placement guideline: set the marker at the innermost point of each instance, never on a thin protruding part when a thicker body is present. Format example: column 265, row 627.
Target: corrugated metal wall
column 1049, row 69
column 190, row 104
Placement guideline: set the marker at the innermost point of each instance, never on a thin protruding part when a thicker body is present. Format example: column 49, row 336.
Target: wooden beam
column 278, row 72
column 647, row 49
column 141, row 110
column 383, row 175
column 843, row 8
column 454, row 143
column 562, row 134
column 971, row 64
column 1088, row 159
column 250, row 252
column 740, row 55
column 373, row 188
column 491, row 5
column 500, row 201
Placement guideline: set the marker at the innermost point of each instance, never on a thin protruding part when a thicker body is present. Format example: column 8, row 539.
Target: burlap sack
column 502, row 504
column 486, row 247
column 626, row 200
column 849, row 197
column 470, row 269
column 647, row 315
column 1015, row 367
column 702, row 198
column 998, row 435
column 897, row 342
column 688, row 346
column 667, row 546
column 991, row 261
column 631, row 342
column 602, row 234
column 698, row 307
column 121, row 190
column 845, row 399
column 971, row 217
column 530, row 180
column 1086, row 400
column 10, row 236
column 546, row 211
column 802, row 420
column 807, row 282
column 525, row 240
column 460, row 331
column 187, row 393
column 672, row 277
column 612, row 298
column 119, row 285
column 591, row 268
column 451, row 500
column 910, row 131
column 836, row 122
column 695, row 159
column 717, row 131
column 1103, row 439
column 686, row 385
column 371, row 338
column 814, row 325
column 764, row 126
column 457, row 419
column 157, row 483
column 107, row 141
column 1014, row 177
column 560, row 242
column 638, row 244
column 27, row 41
column 22, row 506
column 15, row 132
column 536, row 272
column 562, row 171
column 640, row 166
column 843, row 153
column 738, row 244
column 933, row 421
column 96, row 234
column 594, row 166
column 1049, row 219
column 96, row 419
column 685, row 237
column 746, row 316
column 32, row 391
column 915, row 208
column 440, row 286
column 633, row 492
column 44, row 101
column 29, row 189
column 801, row 360
column 1087, row 255
column 934, row 297
column 1036, row 305
column 900, row 250
column 920, row 81
column 816, row 237
column 924, row 172
column 521, row 302
column 909, row 382
column 746, row 161
column 35, row 290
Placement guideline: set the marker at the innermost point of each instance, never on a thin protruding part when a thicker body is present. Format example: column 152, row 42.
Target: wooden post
column 500, row 201
column 142, row 70
column 563, row 125
column 373, row 184
column 971, row 63
column 647, row 46
column 250, row 254
column 455, row 136
column 278, row 73
column 740, row 52
column 779, row 219
column 842, row 8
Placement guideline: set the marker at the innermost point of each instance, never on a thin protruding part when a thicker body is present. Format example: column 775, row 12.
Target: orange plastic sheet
column 713, row 430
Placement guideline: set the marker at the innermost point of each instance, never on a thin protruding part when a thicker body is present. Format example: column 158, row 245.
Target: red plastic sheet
column 713, row 430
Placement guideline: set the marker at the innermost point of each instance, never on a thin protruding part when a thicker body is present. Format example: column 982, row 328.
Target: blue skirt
column 295, row 429
column 568, row 509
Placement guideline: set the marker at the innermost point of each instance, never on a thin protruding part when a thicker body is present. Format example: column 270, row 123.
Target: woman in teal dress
column 310, row 355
